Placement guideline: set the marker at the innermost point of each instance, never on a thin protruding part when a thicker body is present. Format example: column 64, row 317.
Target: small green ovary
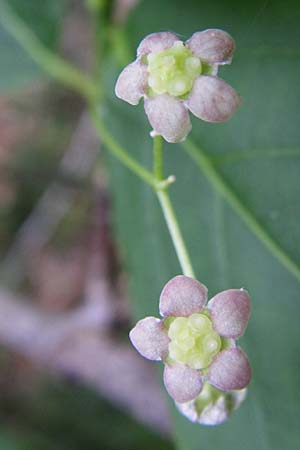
column 173, row 71
column 208, row 396
column 193, row 341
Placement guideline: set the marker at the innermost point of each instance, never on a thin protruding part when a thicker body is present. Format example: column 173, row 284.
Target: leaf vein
column 226, row 191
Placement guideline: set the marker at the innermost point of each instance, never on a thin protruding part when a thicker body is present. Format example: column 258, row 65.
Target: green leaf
column 225, row 249
column 17, row 69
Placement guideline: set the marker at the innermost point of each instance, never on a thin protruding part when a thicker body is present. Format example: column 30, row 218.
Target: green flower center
column 193, row 341
column 173, row 71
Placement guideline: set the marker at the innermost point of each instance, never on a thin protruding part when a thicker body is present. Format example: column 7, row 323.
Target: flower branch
column 205, row 370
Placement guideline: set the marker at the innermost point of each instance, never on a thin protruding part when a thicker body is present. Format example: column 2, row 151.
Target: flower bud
column 212, row 407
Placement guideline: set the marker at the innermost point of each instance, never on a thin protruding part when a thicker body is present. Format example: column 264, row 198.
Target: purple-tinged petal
column 132, row 83
column 150, row 339
column 182, row 383
column 212, row 99
column 169, row 117
column 182, row 296
column 230, row 312
column 230, row 370
column 212, row 46
column 156, row 42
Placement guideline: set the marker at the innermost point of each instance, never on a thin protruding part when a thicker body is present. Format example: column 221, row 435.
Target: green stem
column 157, row 157
column 168, row 211
column 53, row 65
column 175, row 232
column 199, row 156
column 120, row 153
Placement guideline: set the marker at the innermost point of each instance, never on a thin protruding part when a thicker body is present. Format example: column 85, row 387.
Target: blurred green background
column 112, row 228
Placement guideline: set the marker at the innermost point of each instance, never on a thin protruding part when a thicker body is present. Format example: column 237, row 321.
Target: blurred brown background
column 69, row 377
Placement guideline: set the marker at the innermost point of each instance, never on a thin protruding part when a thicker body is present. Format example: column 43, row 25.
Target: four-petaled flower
column 197, row 342
column 175, row 78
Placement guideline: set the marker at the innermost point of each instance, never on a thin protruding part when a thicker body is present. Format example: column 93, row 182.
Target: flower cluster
column 176, row 77
column 205, row 370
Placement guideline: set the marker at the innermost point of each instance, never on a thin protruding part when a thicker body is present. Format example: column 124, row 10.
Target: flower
column 175, row 78
column 196, row 341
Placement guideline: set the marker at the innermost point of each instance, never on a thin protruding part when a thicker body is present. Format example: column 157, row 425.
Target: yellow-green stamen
column 173, row 71
column 193, row 341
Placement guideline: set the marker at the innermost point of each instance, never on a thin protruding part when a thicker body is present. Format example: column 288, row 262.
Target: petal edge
column 212, row 99
column 169, row 117
column 182, row 383
column 132, row 83
column 182, row 296
column 230, row 312
column 230, row 370
column 150, row 339
column 156, row 42
column 212, row 46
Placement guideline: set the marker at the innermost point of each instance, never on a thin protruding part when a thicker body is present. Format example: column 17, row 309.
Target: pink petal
column 156, row 42
column 150, row 338
column 230, row 370
column 132, row 83
column 212, row 46
column 230, row 312
column 182, row 296
column 212, row 99
column 169, row 117
column 182, row 383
